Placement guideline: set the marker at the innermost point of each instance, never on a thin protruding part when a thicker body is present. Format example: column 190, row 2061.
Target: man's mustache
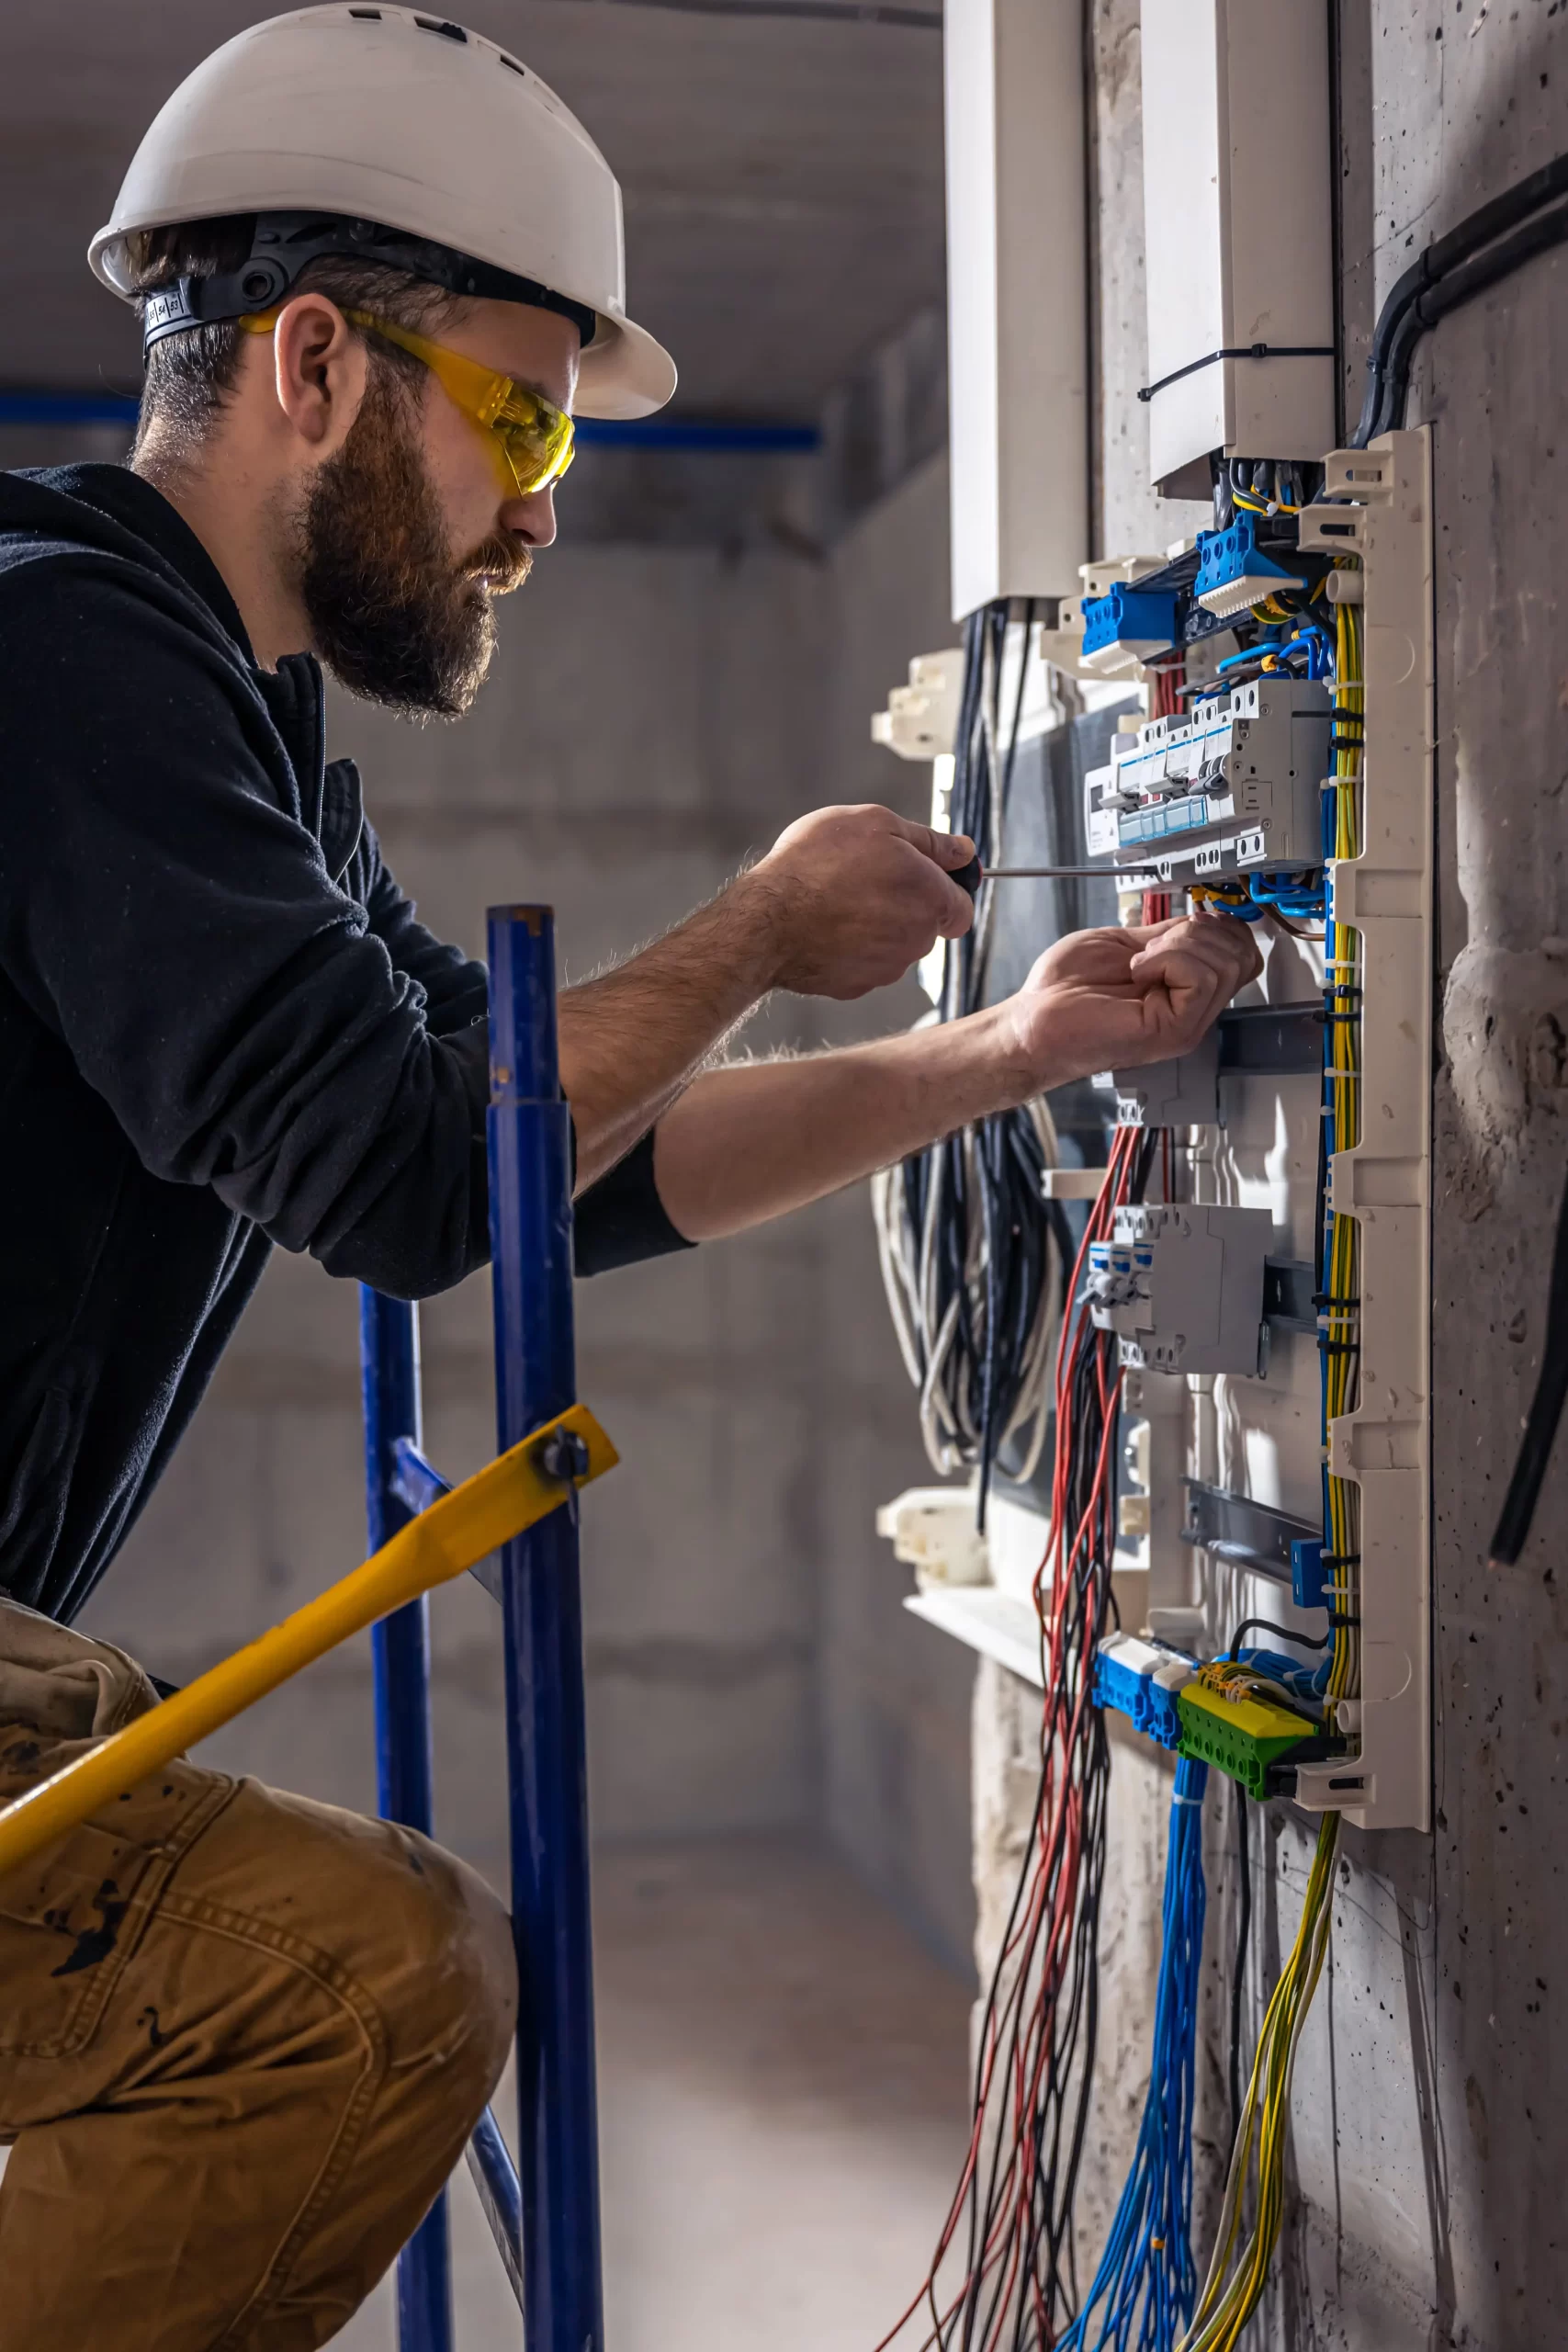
column 503, row 564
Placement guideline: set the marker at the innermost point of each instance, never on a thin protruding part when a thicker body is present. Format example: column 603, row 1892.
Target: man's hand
column 1112, row 999
column 750, row 1142
column 845, row 901
column 850, row 898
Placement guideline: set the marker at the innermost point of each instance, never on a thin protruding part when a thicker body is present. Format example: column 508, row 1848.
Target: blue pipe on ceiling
column 716, row 435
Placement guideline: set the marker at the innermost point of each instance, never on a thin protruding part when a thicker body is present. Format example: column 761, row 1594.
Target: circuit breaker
column 1181, row 1092
column 1182, row 1285
column 1237, row 784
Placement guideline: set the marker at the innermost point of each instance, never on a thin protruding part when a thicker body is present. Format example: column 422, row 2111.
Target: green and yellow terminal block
column 1241, row 1734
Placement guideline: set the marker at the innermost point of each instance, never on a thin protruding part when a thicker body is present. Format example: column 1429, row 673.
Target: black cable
column 1286, row 1633
column 1545, row 1412
column 992, row 1175
column 1243, row 1935
column 1414, row 304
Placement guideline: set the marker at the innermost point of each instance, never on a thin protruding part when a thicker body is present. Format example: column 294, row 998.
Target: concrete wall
column 1435, row 2200
column 1429, row 2137
column 656, row 713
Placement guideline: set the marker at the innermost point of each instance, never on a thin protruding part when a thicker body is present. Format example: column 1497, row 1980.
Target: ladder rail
column 530, row 1200
column 400, row 1650
column 544, row 2214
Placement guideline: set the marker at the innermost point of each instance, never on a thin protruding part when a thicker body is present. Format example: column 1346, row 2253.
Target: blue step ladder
column 546, row 2223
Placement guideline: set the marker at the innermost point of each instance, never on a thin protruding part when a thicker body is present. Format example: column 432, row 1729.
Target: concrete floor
column 781, row 2100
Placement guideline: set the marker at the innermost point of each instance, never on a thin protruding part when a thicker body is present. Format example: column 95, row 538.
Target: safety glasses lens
column 540, row 446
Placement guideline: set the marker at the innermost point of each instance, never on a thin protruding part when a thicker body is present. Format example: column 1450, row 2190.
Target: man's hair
column 190, row 376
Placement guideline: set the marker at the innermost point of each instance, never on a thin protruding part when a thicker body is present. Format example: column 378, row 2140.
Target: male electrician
column 243, row 2038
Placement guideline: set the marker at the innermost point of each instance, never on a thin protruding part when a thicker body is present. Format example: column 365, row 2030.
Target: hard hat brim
column 624, row 373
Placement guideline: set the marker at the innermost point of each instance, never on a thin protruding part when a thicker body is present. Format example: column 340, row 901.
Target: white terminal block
column 1239, row 159
column 932, row 1529
column 1163, row 1667
column 1182, row 1285
column 921, row 719
column 1237, row 784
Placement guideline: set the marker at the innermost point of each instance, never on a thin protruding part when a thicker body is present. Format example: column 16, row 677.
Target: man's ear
column 320, row 370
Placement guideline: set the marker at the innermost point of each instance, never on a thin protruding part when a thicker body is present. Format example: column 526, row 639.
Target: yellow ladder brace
column 507, row 1495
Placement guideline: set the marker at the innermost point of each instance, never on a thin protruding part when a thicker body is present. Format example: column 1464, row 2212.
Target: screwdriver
column 969, row 877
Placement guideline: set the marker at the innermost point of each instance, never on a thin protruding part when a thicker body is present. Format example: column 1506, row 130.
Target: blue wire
column 1291, row 894
column 1294, row 1674
column 1147, row 2290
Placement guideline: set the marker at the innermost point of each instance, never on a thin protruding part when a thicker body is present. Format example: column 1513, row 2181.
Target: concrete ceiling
column 783, row 176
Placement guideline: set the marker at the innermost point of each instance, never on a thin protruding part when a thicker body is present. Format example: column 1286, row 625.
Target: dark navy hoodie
column 221, row 1025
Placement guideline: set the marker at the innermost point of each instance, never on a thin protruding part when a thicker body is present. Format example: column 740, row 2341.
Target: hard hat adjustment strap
column 282, row 243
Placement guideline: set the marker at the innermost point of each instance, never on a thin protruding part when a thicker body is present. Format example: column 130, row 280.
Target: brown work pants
column 242, row 2039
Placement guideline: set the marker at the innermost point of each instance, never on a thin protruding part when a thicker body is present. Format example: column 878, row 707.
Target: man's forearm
column 757, row 1139
column 844, row 902
column 630, row 1040
column 761, row 1138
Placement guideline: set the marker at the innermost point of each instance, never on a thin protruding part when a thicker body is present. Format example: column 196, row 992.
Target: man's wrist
column 995, row 1068
column 753, row 915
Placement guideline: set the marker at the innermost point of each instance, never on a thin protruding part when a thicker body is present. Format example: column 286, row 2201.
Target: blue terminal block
column 1308, row 1584
column 1233, row 573
column 1128, row 625
column 1141, row 1680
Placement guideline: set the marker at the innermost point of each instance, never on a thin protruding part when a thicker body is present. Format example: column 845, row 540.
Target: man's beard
column 392, row 617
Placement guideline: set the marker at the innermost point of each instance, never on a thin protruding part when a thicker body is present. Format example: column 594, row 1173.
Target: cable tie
column 1337, row 1617
column 1240, row 351
column 1341, row 1559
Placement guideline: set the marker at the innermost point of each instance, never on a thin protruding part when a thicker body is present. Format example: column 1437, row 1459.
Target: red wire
column 1039, row 1946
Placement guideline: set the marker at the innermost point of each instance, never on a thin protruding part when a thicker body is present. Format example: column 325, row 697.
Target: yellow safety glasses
column 536, row 440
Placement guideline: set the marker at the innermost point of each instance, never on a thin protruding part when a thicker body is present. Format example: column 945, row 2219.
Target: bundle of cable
column 1240, row 2263
column 1010, row 2220
column 1142, row 2291
column 971, row 1262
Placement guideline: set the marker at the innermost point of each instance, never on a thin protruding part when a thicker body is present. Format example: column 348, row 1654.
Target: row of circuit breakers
column 1233, row 785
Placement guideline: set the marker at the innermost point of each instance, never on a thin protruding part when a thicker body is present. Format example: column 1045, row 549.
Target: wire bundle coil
column 1146, row 2284
column 971, row 1265
column 1012, row 2216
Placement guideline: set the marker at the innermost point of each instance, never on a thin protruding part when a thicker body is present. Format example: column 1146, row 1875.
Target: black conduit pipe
column 1451, row 271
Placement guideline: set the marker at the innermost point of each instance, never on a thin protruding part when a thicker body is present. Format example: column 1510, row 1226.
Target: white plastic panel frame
column 1017, row 364
column 1379, row 507
column 1237, row 164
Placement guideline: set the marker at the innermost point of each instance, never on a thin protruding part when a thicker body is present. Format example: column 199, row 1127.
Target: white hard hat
column 372, row 129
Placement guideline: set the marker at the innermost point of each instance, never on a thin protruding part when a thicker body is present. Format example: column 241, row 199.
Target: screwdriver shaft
column 1067, row 872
